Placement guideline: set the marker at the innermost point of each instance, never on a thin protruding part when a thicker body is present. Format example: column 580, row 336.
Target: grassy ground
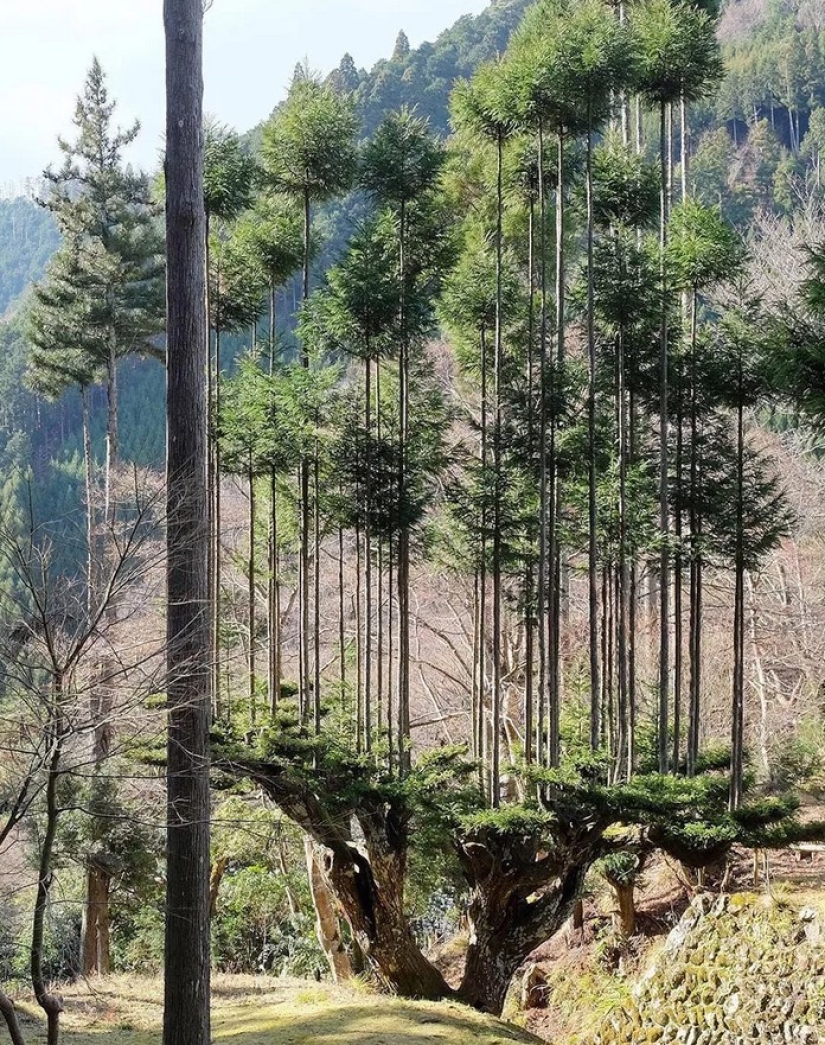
column 258, row 1011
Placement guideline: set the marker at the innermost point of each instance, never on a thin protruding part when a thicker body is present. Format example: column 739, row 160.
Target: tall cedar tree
column 309, row 154
column 400, row 169
column 186, row 1019
column 102, row 299
column 227, row 191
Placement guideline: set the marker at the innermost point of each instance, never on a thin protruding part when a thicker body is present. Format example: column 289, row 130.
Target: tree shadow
column 287, row 1018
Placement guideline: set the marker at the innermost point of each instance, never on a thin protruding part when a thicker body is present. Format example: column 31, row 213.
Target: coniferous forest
column 412, row 545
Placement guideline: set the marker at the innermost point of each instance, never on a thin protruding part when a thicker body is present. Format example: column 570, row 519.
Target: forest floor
column 256, row 1010
column 582, row 975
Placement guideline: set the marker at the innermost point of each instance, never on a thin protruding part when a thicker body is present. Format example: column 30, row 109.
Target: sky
column 250, row 50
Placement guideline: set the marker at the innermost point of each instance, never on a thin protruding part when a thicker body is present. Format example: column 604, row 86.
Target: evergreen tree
column 678, row 60
column 104, row 211
column 309, row 154
column 400, row 168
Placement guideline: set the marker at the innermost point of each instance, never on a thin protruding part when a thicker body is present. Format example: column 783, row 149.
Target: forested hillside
column 28, row 238
column 423, row 78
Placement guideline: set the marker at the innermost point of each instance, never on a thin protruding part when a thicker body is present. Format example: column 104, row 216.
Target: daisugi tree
column 581, row 439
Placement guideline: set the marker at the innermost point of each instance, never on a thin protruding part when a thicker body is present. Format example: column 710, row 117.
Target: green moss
column 740, row 968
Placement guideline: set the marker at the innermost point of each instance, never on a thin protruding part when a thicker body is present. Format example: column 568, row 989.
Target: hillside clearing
column 248, row 1010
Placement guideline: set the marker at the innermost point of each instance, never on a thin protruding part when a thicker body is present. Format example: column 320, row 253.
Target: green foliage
column 308, row 147
column 678, row 54
column 228, row 173
column 620, row 868
column 703, row 248
column 255, row 930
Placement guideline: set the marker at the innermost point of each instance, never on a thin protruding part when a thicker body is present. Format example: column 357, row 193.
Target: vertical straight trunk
column 368, row 563
column 545, row 505
column 216, row 550
column 274, row 600
column 678, row 577
column 273, row 593
column 112, row 450
column 592, row 520
column 403, row 570
column 529, row 593
column 95, row 942
column 685, row 145
column 761, row 681
column 90, row 508
column 604, row 705
column 187, row 949
column 664, row 520
column 379, row 580
column 211, row 482
column 250, row 594
column 476, row 695
column 95, row 947
column 390, row 653
column 695, row 598
column 633, row 601
column 623, row 760
column 304, row 506
column 359, row 645
column 342, row 640
column 738, row 708
column 316, row 600
column 482, row 575
column 554, row 556
column 495, row 769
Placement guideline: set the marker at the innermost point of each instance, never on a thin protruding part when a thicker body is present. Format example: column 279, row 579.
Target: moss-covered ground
column 264, row 1011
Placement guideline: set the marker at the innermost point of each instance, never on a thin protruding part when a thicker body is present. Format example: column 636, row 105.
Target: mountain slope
column 28, row 238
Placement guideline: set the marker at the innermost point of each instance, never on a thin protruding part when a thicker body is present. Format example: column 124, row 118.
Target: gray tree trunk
column 187, row 950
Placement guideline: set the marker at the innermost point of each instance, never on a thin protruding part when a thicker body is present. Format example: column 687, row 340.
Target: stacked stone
column 736, row 969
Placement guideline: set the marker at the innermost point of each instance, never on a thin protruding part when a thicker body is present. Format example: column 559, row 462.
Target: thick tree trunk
column 505, row 927
column 95, row 945
column 371, row 892
column 368, row 881
column 327, row 926
column 187, row 951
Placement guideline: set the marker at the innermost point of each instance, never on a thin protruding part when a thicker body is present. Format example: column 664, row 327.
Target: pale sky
column 251, row 47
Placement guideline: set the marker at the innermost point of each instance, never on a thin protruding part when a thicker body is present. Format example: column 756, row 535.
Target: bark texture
column 187, row 953
column 522, row 894
column 9, row 1014
column 327, row 926
column 367, row 877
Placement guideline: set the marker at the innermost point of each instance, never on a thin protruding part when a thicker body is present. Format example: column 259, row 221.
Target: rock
column 734, row 970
